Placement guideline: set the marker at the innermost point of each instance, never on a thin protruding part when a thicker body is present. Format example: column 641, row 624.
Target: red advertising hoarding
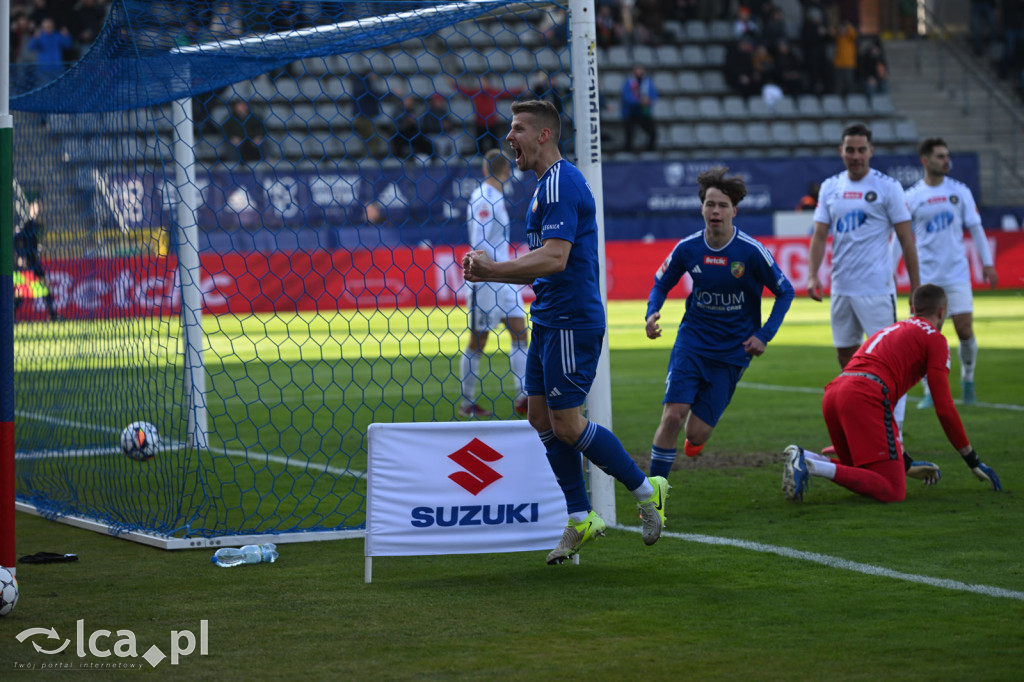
column 382, row 278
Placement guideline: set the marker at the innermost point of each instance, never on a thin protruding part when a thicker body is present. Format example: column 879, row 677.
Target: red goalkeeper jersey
column 900, row 355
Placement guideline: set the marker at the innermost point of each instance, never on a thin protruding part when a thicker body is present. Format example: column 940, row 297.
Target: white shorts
column 854, row 318
column 961, row 298
column 491, row 303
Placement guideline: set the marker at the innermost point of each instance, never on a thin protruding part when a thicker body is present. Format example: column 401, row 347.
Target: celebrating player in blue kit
column 568, row 327
column 722, row 328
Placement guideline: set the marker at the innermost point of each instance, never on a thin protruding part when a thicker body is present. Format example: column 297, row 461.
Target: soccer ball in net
column 140, row 441
column 8, row 591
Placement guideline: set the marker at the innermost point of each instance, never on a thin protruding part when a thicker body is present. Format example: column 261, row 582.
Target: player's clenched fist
column 475, row 265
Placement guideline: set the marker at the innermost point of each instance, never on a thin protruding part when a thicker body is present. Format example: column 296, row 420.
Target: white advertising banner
column 460, row 488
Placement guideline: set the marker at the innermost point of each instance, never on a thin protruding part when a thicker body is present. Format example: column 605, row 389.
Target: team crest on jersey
column 484, row 213
column 954, row 199
column 737, row 268
column 870, row 196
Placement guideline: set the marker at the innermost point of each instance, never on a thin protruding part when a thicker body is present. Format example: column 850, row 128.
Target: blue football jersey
column 563, row 207
column 724, row 307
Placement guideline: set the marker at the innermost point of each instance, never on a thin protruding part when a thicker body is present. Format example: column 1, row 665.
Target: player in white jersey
column 862, row 208
column 491, row 303
column 941, row 209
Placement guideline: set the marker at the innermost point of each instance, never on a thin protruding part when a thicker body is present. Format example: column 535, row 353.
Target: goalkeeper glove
column 985, row 473
column 924, row 471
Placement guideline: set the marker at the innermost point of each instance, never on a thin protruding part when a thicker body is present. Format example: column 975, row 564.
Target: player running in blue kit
column 568, row 327
column 721, row 329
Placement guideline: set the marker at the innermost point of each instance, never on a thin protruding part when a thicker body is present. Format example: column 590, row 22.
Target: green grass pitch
column 744, row 585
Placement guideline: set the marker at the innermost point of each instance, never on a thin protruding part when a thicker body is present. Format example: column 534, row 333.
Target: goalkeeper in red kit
column 858, row 408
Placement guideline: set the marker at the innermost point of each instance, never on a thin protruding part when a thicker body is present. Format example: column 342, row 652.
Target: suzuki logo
column 471, row 457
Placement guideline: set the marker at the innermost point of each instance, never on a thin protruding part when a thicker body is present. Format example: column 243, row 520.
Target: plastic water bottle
column 228, row 557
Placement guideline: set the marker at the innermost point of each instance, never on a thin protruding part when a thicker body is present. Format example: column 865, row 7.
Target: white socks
column 968, row 358
column 469, row 368
column 517, row 362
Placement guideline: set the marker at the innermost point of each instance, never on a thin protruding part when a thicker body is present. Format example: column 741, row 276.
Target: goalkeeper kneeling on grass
column 858, row 410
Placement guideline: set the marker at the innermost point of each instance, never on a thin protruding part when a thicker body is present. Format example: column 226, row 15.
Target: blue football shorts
column 561, row 364
column 704, row 384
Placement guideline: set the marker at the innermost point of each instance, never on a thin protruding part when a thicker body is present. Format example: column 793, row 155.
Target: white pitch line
column 844, row 564
column 821, row 391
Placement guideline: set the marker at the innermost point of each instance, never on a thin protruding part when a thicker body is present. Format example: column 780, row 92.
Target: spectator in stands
column 638, row 97
column 368, row 95
column 1013, row 37
column 739, row 68
column 789, row 71
column 983, row 23
column 845, row 60
column 764, row 65
column 745, row 25
column 285, row 15
column 554, row 26
column 22, row 31
column 245, row 131
column 650, row 16
column 809, row 201
column 814, row 43
column 49, row 44
column 437, row 124
column 491, row 127
column 87, row 20
column 682, row 10
column 874, row 72
column 26, row 253
column 774, row 25
column 411, row 140
column 607, row 28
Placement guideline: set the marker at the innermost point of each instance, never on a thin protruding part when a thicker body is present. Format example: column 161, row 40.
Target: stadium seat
column 696, row 31
column 693, row 57
column 382, row 62
column 681, row 135
column 710, row 108
column 809, row 106
column 906, row 132
column 832, row 133
column 883, row 132
column 690, row 82
column 644, row 54
column 857, row 106
column 715, row 55
column 786, row 108
column 675, row 29
column 714, row 82
column 882, row 105
column 547, row 59
column 619, row 57
column 611, row 82
column 735, row 107
column 498, row 61
column 666, row 83
column 721, row 31
column 832, row 106
column 685, row 108
column 668, row 56
column 662, row 110
column 783, row 134
column 708, row 135
column 808, row 134
column 758, row 108
column 758, row 134
column 734, row 135
column 421, row 85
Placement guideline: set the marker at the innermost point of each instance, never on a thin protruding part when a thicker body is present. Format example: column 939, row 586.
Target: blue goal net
column 242, row 222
